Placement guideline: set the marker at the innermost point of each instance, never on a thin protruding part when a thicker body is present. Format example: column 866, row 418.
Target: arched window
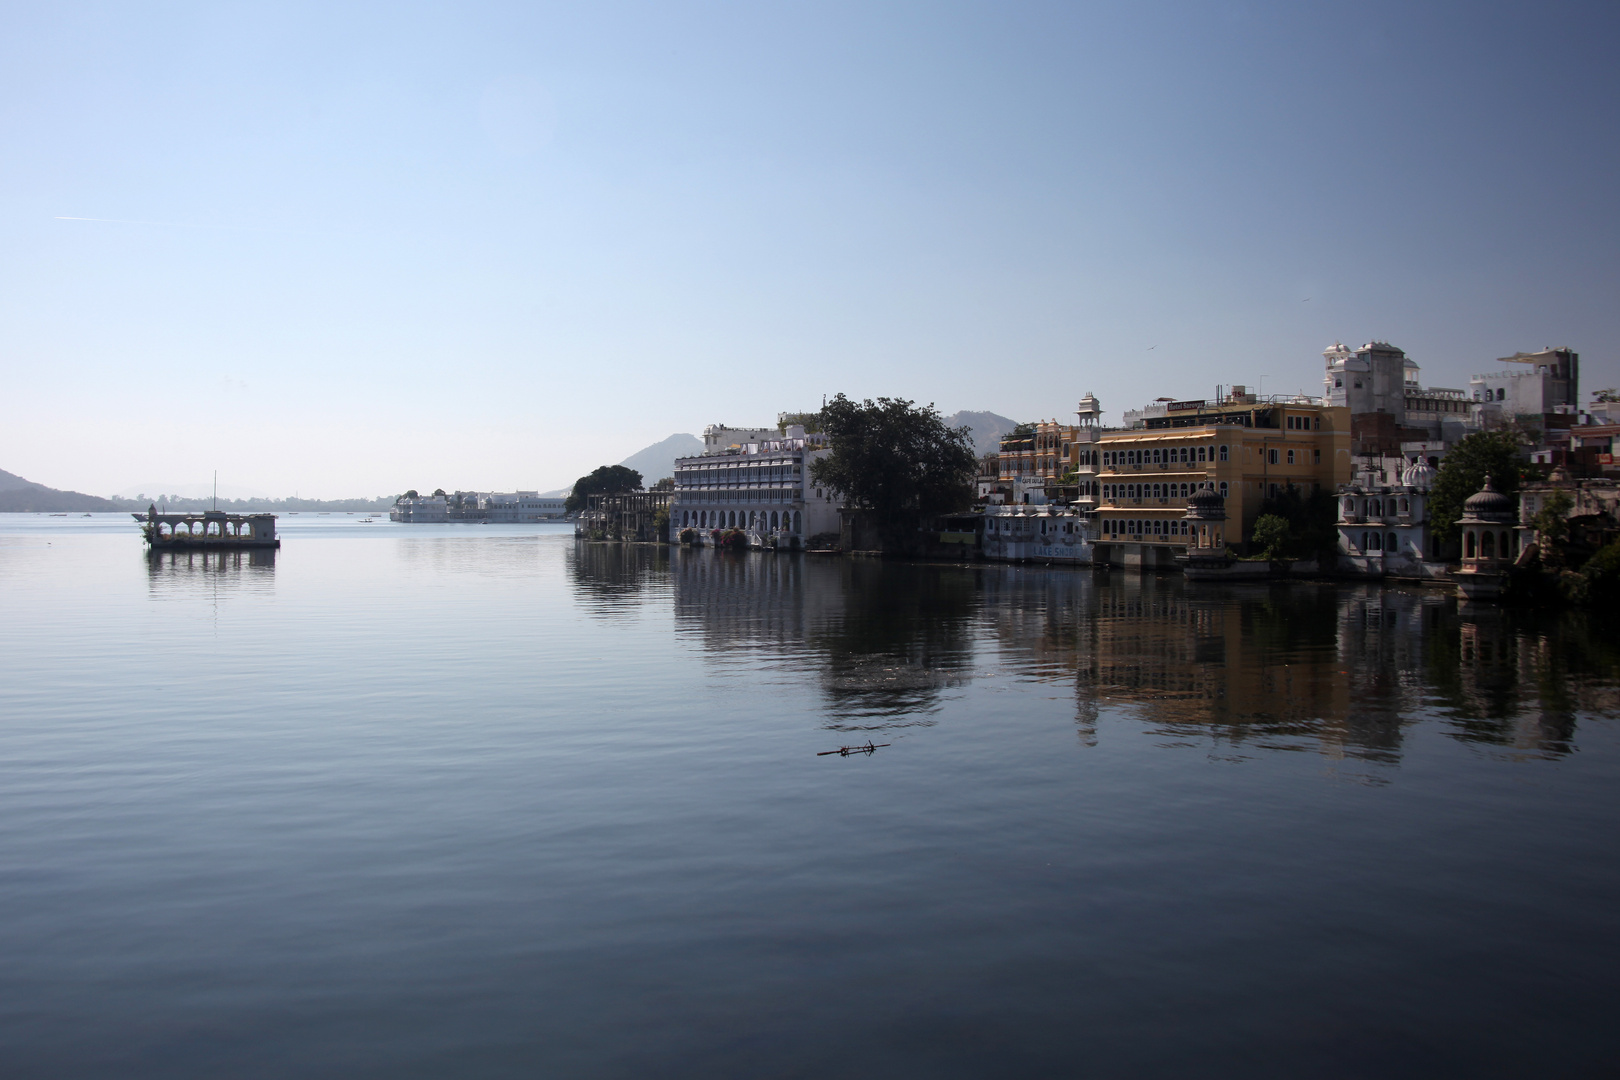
column 1487, row 545
column 1349, row 507
column 1468, row 544
column 1223, row 453
column 775, row 520
column 1365, row 546
column 1392, row 542
column 796, row 525
column 1223, row 484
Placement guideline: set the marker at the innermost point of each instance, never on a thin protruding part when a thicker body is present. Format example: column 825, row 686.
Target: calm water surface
column 482, row 801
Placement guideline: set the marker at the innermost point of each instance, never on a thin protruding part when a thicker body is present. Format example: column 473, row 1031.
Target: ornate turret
column 1206, row 505
column 1206, row 530
column 1488, row 543
column 1487, row 505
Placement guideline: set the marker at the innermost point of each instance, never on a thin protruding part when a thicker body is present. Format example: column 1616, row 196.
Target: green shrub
column 1272, row 533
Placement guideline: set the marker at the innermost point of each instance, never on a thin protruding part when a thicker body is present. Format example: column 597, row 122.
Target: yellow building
column 1245, row 448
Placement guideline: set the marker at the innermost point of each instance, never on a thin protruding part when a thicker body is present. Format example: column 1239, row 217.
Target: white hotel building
column 753, row 479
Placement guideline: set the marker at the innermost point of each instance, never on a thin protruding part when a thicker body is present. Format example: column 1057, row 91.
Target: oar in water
column 845, row 751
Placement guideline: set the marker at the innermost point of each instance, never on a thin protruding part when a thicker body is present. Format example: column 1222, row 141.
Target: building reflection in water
column 221, row 571
column 1342, row 669
column 1345, row 670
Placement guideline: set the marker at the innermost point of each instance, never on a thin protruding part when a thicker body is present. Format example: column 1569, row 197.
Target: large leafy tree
column 1482, row 455
column 899, row 463
column 603, row 480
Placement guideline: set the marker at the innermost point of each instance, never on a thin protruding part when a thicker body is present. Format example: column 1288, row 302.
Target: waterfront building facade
column 518, row 506
column 1245, row 448
column 1384, row 531
column 430, row 508
column 1045, row 534
column 624, row 515
column 757, row 481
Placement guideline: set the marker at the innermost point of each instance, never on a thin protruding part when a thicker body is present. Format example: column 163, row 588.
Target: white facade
column 760, row 485
column 1384, row 530
column 1542, row 382
column 519, row 506
column 1370, row 379
column 422, row 508
column 1059, row 534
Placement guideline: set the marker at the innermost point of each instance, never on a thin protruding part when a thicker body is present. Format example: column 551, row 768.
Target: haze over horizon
column 352, row 250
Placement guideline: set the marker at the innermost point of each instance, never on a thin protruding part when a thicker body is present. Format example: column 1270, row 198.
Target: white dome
column 1418, row 475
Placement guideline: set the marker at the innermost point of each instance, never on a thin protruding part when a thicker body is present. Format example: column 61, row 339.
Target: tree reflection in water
column 613, row 578
column 881, row 639
column 904, row 634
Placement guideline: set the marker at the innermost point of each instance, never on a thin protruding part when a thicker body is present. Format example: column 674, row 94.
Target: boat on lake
column 211, row 530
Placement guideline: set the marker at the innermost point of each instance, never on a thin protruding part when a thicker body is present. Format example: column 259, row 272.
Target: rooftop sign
column 1183, row 406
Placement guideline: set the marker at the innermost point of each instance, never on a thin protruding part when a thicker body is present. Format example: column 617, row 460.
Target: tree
column 1551, row 523
column 1272, row 533
column 1482, row 455
column 897, row 463
column 411, row 494
column 1552, row 520
column 1311, row 520
column 438, row 491
column 811, row 421
column 603, row 480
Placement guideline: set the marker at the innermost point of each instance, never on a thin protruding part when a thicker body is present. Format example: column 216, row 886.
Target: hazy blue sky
column 353, row 249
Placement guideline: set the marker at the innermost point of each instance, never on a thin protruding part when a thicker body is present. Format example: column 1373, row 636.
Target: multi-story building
column 1046, row 457
column 1541, row 383
column 756, row 480
column 1245, row 448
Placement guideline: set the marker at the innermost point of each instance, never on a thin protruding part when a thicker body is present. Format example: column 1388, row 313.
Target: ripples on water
column 418, row 800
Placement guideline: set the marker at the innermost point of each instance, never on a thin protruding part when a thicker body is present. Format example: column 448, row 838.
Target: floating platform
column 211, row 530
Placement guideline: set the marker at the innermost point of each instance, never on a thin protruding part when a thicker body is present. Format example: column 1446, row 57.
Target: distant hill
column 988, row 428
column 658, row 460
column 19, row 496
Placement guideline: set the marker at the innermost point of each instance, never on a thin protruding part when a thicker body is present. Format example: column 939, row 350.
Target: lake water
column 482, row 801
